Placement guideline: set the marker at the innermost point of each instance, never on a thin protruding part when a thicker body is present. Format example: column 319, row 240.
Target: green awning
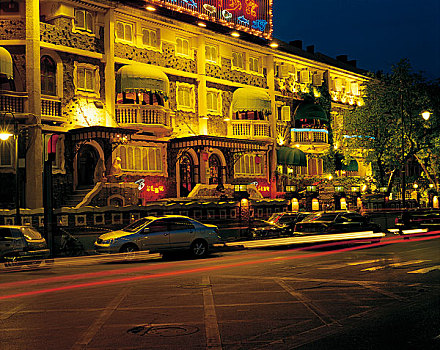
column 310, row 111
column 6, row 63
column 352, row 166
column 141, row 78
column 291, row 156
column 250, row 99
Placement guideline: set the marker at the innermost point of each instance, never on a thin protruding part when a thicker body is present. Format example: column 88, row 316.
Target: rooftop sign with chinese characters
column 251, row 16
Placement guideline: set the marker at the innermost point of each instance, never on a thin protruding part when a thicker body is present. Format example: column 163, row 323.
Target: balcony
column 11, row 101
column 250, row 129
column 312, row 139
column 51, row 109
column 146, row 117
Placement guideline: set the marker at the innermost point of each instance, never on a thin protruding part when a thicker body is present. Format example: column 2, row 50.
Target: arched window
column 48, row 76
column 215, row 171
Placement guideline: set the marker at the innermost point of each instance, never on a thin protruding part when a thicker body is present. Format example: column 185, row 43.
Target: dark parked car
column 21, row 243
column 412, row 220
column 335, row 222
column 279, row 224
column 161, row 234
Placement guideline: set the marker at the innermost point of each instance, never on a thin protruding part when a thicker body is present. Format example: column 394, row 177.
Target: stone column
column 109, row 59
column 34, row 159
column 201, row 70
column 273, row 125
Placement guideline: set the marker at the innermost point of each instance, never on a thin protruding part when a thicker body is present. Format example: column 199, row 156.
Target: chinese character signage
column 252, row 16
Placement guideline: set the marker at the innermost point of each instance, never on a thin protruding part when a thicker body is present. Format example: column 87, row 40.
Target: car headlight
column 108, row 241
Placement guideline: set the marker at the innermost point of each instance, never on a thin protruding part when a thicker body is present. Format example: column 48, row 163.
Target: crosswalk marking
column 406, row 263
column 426, row 269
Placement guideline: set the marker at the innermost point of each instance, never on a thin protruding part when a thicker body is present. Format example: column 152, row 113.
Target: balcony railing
column 141, row 114
column 310, row 136
column 250, row 128
column 50, row 106
column 11, row 101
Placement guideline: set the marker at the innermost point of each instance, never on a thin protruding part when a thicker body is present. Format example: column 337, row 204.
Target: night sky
column 376, row 33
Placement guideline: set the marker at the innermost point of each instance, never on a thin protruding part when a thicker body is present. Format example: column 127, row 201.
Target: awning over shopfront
column 141, row 78
column 6, row 68
column 250, row 99
column 310, row 111
column 291, row 156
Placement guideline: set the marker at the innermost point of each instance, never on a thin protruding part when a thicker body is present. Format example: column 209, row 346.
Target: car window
column 158, row 226
column 321, row 217
column 287, row 218
column 5, row 234
column 30, row 233
column 352, row 217
column 133, row 227
column 180, row 224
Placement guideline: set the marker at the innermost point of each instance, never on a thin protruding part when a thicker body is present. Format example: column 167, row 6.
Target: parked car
column 410, row 220
column 278, row 225
column 21, row 243
column 335, row 222
column 161, row 234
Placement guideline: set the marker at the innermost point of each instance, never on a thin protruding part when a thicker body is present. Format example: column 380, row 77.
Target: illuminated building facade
column 129, row 102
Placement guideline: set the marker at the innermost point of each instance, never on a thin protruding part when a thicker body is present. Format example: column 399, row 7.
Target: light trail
column 205, row 269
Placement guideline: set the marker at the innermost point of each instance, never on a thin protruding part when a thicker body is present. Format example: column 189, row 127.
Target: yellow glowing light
column 204, row 117
column 431, row 185
column 330, row 177
column 235, row 34
column 201, row 24
column 227, row 119
column 273, row 45
column 415, row 186
column 364, row 188
column 426, row 115
column 150, row 8
column 5, row 135
column 297, row 145
column 316, row 92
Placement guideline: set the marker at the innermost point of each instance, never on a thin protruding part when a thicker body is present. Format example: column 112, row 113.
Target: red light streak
column 210, row 268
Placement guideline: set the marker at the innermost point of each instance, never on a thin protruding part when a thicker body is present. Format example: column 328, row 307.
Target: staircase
column 77, row 196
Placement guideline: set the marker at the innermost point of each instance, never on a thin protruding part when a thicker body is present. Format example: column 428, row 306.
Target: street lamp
column 4, row 136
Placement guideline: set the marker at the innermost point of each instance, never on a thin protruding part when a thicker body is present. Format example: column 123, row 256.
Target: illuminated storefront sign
column 252, row 16
column 151, row 188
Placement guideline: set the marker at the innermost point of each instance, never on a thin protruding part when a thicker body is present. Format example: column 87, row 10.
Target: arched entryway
column 215, row 170
column 187, row 170
column 86, row 162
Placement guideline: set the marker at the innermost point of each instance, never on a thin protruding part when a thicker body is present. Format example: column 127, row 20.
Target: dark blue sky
column 376, row 33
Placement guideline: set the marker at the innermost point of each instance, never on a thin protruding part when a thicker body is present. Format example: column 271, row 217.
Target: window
column 83, row 20
column 182, row 46
column 185, row 97
column 149, row 37
column 140, row 158
column 87, row 79
column 6, row 148
column 238, row 60
column 213, row 101
column 254, row 64
column 211, row 53
column 48, row 76
column 124, row 31
column 249, row 164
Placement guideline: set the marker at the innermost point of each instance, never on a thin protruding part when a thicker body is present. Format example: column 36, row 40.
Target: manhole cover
column 163, row 330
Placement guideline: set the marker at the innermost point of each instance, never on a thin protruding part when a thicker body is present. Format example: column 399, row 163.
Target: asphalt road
column 339, row 297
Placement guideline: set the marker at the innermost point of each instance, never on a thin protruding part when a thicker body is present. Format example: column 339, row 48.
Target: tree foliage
column 388, row 128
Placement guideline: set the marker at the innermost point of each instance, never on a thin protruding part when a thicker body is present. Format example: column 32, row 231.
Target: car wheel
column 130, row 250
column 199, row 249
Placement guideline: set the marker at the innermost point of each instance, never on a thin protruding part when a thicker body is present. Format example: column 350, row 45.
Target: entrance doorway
column 186, row 175
column 87, row 160
column 215, row 170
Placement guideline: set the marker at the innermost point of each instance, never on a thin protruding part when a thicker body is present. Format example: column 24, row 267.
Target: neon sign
column 252, row 16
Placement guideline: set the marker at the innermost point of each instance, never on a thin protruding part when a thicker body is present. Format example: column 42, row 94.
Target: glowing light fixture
column 426, row 115
column 5, row 135
column 150, row 8
column 201, row 24
column 235, row 34
column 273, row 44
column 227, row 119
column 415, row 186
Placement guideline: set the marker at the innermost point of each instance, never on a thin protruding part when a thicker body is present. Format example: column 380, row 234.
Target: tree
column 388, row 128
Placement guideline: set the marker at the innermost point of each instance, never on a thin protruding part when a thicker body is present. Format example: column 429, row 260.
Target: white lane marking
column 308, row 303
column 339, row 266
column 381, row 291
column 426, row 269
column 213, row 340
column 99, row 322
column 406, row 263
